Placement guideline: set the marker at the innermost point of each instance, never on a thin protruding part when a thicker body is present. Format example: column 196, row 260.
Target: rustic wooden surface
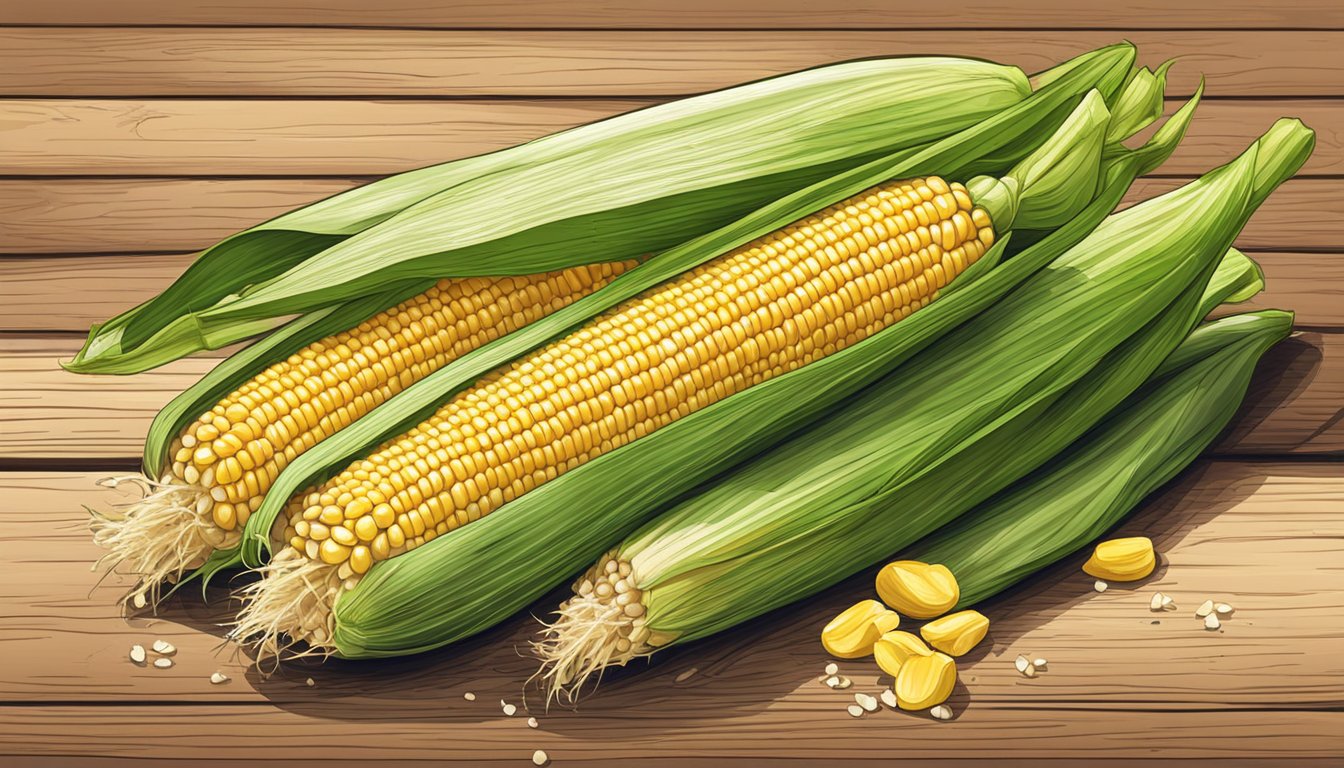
column 134, row 133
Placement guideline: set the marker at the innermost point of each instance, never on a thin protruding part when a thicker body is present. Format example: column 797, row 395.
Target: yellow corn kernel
column 1122, row 559
column 917, row 589
column 925, row 681
column 852, row 634
column 893, row 648
column 759, row 311
column 956, row 633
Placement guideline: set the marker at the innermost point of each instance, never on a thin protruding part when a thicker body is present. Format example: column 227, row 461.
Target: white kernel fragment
column 1211, row 622
column 1040, row 663
column 164, row 648
column 832, row 668
column 532, row 722
column 1223, row 608
column 508, row 709
column 163, row 663
column 138, row 654
column 219, row 678
column 469, row 696
column 869, row 703
column 540, row 758
column 1204, row 609
column 1100, row 585
column 941, row 712
column 889, row 698
column 854, row 710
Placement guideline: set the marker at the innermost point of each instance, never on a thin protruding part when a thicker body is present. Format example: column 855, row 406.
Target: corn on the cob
column 398, row 609
column 910, row 453
column 1104, row 475
column 611, row 190
column 765, row 309
column 223, row 462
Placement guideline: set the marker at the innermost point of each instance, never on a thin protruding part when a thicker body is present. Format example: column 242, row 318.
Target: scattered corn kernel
column 893, row 648
column 917, row 589
column 925, row 681
column 1128, row 559
column 956, row 633
column 869, row 703
column 851, row 635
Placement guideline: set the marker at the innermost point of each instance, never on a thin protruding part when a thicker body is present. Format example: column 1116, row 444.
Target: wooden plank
column 173, row 137
column 90, row 289
column 754, row 734
column 690, row 14
column 1260, row 536
column 55, row 416
column 166, row 61
column 143, row 215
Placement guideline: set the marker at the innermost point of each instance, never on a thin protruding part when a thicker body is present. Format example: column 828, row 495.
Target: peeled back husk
column 615, row 189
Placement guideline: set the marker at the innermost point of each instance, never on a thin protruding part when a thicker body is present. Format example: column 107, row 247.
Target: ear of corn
column 645, row 188
column 1156, row 433
column 406, row 604
column 845, row 493
column 221, row 461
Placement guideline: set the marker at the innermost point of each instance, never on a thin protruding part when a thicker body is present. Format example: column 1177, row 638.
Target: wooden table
column 136, row 132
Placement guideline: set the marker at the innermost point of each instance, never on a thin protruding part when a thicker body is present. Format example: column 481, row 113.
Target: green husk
column 384, row 615
column 1103, row 476
column 996, row 398
column 611, row 190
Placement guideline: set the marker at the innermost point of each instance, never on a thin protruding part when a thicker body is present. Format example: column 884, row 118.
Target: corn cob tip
column 157, row 538
column 602, row 625
column 291, row 604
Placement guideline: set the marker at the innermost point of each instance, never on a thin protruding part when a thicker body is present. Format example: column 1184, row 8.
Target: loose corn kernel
column 893, row 648
column 917, row 589
column 956, row 633
column 1122, row 559
column 852, row 634
column 925, row 681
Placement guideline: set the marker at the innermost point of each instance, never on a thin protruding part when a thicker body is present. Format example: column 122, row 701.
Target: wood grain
column 1277, row 522
column 237, row 62
column 176, row 137
column 690, row 14
column 50, row 216
column 90, row 289
column 1294, row 406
